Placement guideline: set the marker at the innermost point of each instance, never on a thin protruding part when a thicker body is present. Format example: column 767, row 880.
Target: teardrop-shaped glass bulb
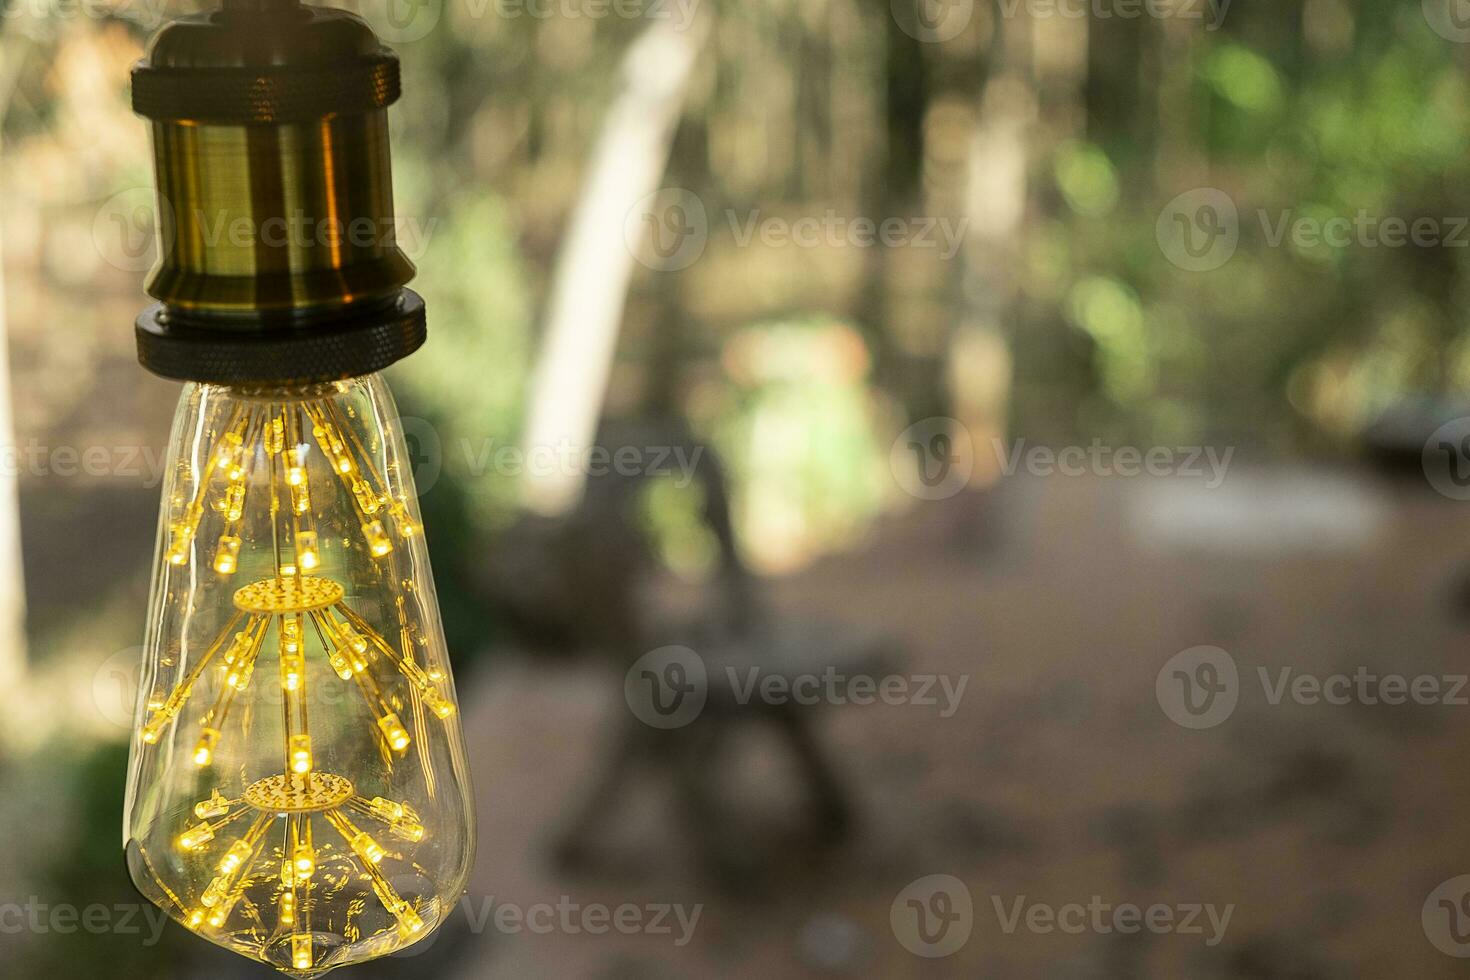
column 297, row 790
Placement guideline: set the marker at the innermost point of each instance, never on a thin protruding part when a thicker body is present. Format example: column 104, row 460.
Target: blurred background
column 1085, row 375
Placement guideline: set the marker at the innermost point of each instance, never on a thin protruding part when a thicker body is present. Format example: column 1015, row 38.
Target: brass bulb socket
column 275, row 197
column 276, row 218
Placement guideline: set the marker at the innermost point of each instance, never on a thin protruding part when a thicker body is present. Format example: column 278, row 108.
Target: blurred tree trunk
column 12, row 573
column 590, row 285
column 1120, row 116
column 894, row 189
column 1180, row 161
column 980, row 359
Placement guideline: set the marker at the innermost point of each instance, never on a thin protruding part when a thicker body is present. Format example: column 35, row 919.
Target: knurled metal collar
column 345, row 345
column 245, row 96
column 256, row 62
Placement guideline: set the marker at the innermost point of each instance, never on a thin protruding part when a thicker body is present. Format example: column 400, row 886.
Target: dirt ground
column 1322, row 828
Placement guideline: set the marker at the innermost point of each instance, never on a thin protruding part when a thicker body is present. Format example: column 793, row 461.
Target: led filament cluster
column 279, row 431
column 291, row 525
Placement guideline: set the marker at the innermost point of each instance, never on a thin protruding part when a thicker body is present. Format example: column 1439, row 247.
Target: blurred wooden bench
column 575, row 586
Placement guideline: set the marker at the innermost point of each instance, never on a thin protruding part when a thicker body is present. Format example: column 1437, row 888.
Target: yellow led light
column 377, row 539
column 295, row 467
column 215, row 892
column 232, row 505
column 235, row 857
column 301, row 952
column 359, row 840
column 275, row 435
column 408, row 920
column 403, row 823
column 394, row 731
column 288, row 908
column 181, row 535
column 238, row 647
column 306, row 554
column 403, row 520
column 227, row 555
column 387, row 809
column 367, row 497
column 407, row 830
column 161, row 717
column 229, row 453
column 301, row 867
column 215, row 806
column 293, row 662
column 239, row 677
column 300, row 751
column 437, row 704
column 208, row 742
column 339, row 662
column 192, row 840
column 367, row 848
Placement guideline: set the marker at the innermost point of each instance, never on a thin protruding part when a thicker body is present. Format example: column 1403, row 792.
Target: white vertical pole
column 12, row 576
column 590, row 284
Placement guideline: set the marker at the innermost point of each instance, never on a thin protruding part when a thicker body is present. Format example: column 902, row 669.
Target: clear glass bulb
column 297, row 790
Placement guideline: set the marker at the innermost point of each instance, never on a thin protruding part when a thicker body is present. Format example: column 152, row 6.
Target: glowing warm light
column 306, row 552
column 301, row 952
column 192, row 840
column 227, row 556
column 204, row 751
column 377, row 538
column 291, row 548
column 394, row 731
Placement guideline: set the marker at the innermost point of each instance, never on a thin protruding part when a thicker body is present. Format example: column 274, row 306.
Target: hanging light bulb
column 297, row 790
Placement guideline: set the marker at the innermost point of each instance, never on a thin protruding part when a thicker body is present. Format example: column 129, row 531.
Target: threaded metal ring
column 268, row 351
column 255, row 96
